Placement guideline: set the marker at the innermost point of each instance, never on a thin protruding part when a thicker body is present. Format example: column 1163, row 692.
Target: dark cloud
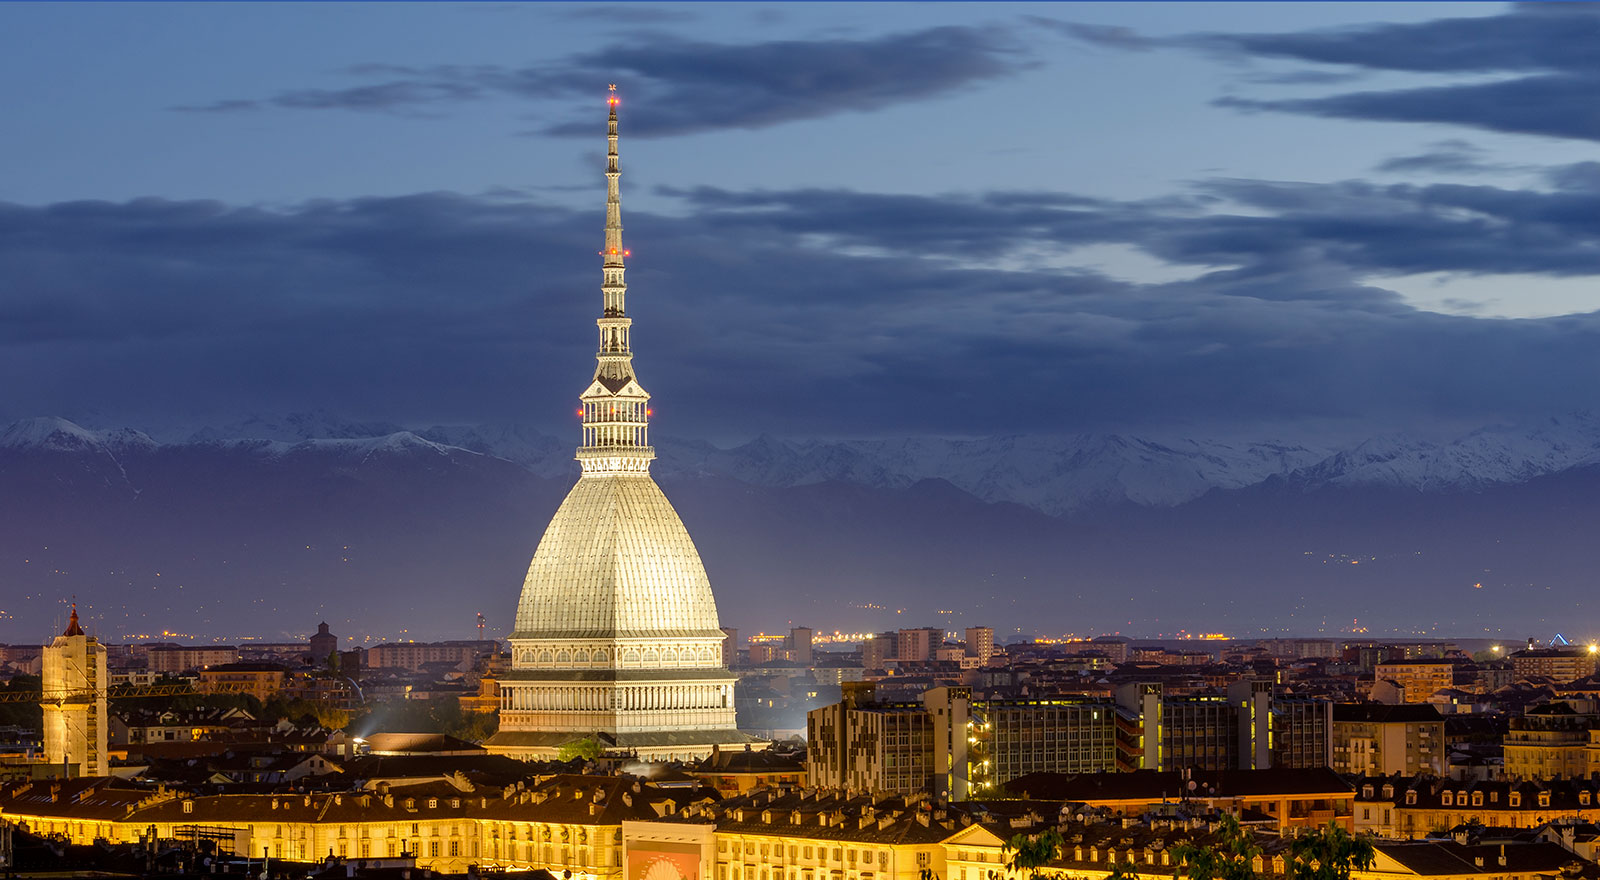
column 1543, row 105
column 1548, row 49
column 1561, row 37
column 689, row 86
column 1584, row 176
column 626, row 13
column 1303, row 78
column 800, row 311
column 1106, row 35
column 1446, row 157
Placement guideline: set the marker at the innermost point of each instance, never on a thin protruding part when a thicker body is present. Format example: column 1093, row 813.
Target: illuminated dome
column 616, row 639
column 616, row 562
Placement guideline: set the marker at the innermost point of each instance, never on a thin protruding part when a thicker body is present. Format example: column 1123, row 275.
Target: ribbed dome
column 616, row 561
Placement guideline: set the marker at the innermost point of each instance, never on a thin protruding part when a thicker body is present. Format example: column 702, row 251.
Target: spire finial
column 73, row 629
column 615, row 409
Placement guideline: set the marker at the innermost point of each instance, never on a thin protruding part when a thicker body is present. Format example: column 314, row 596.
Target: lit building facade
column 959, row 746
column 74, row 702
column 980, row 643
column 412, row 656
column 1548, row 742
column 616, row 633
column 1372, row 738
column 1417, row 679
column 1561, row 664
column 172, row 660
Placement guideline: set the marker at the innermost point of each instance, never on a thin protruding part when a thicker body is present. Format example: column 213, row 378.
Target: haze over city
column 1063, row 319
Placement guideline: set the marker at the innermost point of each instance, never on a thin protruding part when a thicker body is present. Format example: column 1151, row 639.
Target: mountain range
column 268, row 525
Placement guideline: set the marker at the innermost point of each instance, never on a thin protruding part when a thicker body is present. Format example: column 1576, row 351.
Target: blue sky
column 1164, row 214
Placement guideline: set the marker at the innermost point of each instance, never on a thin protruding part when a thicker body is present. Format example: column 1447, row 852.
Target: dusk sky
column 846, row 220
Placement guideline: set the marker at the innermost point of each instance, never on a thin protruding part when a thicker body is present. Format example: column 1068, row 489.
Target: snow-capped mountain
column 1495, row 455
column 1058, row 475
column 51, row 434
column 395, row 528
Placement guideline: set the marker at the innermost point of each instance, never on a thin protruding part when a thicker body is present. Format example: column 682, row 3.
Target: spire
column 613, row 251
column 615, row 408
column 73, row 629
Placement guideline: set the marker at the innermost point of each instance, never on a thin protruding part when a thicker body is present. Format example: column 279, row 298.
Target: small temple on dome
column 616, row 637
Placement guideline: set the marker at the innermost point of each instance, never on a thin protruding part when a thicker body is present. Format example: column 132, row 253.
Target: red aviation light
column 649, row 412
column 627, row 253
column 580, row 412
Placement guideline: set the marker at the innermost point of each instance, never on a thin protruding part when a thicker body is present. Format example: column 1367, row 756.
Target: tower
column 616, row 635
column 74, row 701
column 322, row 645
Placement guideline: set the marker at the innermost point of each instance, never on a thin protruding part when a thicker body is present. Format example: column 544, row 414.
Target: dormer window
column 1477, row 799
column 1366, row 792
column 1388, row 792
column 433, row 803
column 1544, row 798
column 1446, row 799
column 1583, row 798
column 1411, row 798
column 1515, row 798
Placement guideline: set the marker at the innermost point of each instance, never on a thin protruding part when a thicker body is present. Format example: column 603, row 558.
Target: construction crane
column 123, row 691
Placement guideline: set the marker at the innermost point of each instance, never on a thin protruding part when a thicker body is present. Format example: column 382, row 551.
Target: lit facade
column 1409, row 807
column 74, row 702
column 1548, row 742
column 1419, row 679
column 616, row 633
column 1375, row 739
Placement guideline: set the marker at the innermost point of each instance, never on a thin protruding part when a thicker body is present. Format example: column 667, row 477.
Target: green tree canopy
column 1030, row 853
column 1231, row 857
column 587, row 748
column 1329, row 853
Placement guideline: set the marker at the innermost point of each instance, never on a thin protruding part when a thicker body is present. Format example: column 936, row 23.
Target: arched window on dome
column 563, row 657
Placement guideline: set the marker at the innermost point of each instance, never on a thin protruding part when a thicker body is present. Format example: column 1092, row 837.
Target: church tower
column 74, row 702
column 616, row 635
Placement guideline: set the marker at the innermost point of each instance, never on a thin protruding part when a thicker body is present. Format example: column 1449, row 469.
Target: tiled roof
column 1156, row 785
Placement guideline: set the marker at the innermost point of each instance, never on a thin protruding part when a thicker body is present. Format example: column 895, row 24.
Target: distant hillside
column 411, row 531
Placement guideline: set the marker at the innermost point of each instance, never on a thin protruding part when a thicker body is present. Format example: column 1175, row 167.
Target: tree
column 1329, row 853
column 587, row 748
column 1230, row 857
column 1030, row 853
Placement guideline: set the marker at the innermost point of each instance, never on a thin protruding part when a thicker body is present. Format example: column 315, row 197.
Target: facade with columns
column 616, row 634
